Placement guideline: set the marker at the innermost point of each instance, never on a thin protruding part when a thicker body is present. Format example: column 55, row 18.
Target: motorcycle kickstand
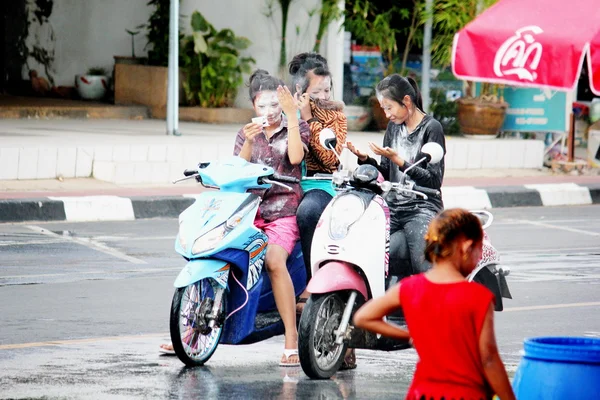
column 340, row 333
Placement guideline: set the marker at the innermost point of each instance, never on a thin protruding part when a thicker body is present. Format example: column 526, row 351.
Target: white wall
column 90, row 32
column 246, row 18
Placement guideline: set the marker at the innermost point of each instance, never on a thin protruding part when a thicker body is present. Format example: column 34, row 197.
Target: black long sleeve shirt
column 408, row 147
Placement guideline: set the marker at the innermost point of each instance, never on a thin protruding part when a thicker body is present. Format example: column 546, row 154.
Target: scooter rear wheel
column 320, row 356
column 193, row 340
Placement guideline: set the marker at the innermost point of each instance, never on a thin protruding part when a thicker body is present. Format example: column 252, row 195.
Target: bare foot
column 167, row 348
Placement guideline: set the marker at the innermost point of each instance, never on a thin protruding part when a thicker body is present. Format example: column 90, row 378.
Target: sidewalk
column 47, row 169
column 86, row 199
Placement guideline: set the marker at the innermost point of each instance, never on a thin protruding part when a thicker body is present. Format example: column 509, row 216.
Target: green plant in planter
column 157, row 30
column 213, row 66
column 132, row 33
column 97, row 71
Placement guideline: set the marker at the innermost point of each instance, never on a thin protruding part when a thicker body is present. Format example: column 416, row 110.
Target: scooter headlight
column 345, row 211
column 210, row 240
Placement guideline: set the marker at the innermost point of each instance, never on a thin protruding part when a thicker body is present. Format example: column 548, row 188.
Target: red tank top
column 445, row 322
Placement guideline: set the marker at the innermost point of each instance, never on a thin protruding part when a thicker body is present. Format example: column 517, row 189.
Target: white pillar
column 173, row 69
column 335, row 53
column 426, row 67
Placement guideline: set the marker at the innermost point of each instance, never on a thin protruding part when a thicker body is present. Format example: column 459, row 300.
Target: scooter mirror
column 327, row 139
column 434, row 150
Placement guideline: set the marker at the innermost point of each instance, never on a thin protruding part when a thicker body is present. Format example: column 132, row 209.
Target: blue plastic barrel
column 559, row 368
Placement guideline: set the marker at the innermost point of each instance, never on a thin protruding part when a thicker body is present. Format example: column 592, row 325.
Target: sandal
column 167, row 349
column 289, row 353
column 349, row 361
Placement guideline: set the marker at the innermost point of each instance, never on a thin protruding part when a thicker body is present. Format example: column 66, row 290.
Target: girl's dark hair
column 395, row 87
column 260, row 80
column 446, row 228
column 301, row 64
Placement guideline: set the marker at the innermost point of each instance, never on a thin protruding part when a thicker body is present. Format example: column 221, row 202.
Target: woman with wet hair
column 281, row 142
column 408, row 130
column 311, row 81
column 450, row 320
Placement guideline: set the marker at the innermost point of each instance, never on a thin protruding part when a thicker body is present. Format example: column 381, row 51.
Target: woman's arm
column 493, row 368
column 289, row 107
column 244, row 141
column 385, row 163
column 370, row 316
column 432, row 175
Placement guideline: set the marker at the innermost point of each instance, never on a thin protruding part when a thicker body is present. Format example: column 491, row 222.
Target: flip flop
column 288, row 353
column 168, row 352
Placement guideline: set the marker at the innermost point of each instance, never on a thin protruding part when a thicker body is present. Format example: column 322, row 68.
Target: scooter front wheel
column 195, row 331
column 320, row 356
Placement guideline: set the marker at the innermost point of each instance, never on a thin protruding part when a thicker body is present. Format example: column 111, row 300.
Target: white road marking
column 104, row 272
column 564, row 228
column 89, row 243
column 552, row 306
column 550, row 252
column 130, row 238
column 78, row 341
column 510, row 221
column 28, row 242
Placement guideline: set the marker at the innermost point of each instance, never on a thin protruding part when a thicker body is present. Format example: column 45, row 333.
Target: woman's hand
column 286, row 100
column 251, row 131
column 361, row 156
column 303, row 104
column 370, row 316
column 387, row 152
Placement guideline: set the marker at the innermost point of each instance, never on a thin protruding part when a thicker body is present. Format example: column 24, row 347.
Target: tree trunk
column 285, row 7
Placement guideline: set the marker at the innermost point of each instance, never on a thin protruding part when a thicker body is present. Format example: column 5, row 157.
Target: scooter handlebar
column 427, row 191
column 287, row 179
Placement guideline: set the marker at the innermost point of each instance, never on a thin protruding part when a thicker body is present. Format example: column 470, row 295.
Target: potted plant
column 127, row 59
column 213, row 68
column 146, row 83
column 481, row 114
column 92, row 85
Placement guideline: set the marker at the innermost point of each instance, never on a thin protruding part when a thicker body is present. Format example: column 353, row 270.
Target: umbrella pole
column 571, row 139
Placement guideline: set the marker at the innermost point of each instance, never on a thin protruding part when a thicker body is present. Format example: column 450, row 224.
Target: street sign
column 536, row 110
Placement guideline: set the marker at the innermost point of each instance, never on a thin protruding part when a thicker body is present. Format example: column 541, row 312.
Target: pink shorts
column 283, row 231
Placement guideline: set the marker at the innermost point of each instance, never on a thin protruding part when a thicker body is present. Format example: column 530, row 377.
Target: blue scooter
column 223, row 294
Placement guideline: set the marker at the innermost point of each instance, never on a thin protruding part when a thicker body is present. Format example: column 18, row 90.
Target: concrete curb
column 118, row 208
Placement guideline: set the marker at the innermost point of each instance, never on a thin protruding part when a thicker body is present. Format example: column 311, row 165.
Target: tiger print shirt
column 326, row 114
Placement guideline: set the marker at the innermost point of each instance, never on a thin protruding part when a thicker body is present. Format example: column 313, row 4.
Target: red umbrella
column 531, row 43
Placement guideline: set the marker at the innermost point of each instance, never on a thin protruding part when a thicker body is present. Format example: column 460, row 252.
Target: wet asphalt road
column 85, row 306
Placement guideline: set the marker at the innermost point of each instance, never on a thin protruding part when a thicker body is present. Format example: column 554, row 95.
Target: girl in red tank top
column 450, row 320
